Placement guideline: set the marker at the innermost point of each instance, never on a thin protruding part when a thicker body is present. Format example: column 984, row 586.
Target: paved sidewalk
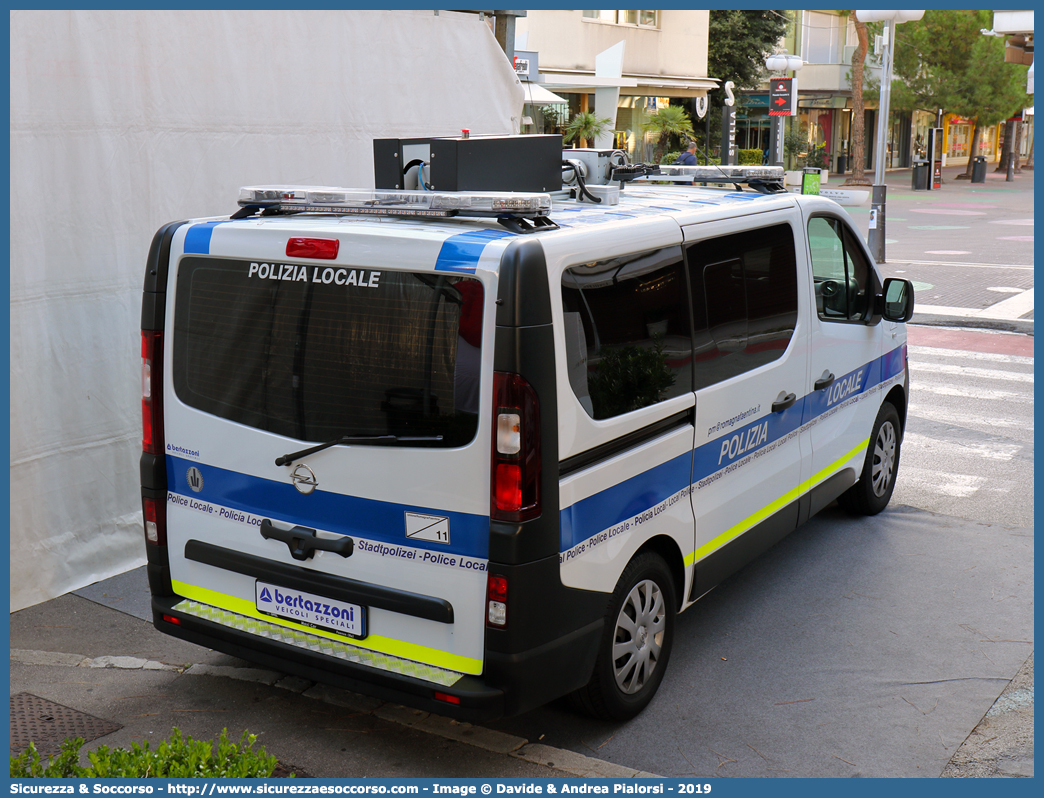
column 967, row 246
column 95, row 654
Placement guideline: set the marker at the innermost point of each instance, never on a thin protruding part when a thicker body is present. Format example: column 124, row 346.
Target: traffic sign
column 780, row 97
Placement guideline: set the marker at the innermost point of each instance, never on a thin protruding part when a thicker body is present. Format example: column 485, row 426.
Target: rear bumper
column 478, row 702
column 523, row 681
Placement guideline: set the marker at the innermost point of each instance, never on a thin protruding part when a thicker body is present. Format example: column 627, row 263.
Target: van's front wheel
column 636, row 643
column 870, row 495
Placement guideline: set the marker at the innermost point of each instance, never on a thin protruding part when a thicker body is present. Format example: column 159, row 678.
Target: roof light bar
column 704, row 174
column 377, row 202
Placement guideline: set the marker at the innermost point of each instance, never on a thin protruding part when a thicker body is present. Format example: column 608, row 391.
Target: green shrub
column 751, row 157
column 670, row 157
column 175, row 758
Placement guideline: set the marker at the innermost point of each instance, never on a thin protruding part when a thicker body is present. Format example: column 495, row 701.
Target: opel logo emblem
column 195, row 479
column 303, row 479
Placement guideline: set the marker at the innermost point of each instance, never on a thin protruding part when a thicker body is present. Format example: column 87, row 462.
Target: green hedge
column 175, row 758
column 671, row 157
column 751, row 157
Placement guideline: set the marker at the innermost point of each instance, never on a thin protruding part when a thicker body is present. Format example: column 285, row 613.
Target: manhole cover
column 47, row 725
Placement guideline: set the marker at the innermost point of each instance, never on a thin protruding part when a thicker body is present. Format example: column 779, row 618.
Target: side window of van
column 627, row 331
column 744, row 300
column 840, row 271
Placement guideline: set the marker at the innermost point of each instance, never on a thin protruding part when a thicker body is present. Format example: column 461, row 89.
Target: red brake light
column 449, row 699
column 496, row 601
column 508, row 487
column 516, row 449
column 155, row 511
column 172, row 619
column 152, row 391
column 321, row 248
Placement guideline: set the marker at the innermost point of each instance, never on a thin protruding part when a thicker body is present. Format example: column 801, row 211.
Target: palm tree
column 667, row 122
column 585, row 125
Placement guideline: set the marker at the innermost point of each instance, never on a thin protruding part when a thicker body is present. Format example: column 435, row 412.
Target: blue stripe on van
column 197, row 239
column 334, row 512
column 623, row 501
column 460, row 253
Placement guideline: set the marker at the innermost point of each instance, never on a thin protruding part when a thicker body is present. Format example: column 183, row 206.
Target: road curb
column 496, row 742
column 577, row 764
column 1021, row 326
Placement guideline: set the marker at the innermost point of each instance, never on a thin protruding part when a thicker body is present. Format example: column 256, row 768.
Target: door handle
column 825, row 381
column 303, row 543
column 783, row 401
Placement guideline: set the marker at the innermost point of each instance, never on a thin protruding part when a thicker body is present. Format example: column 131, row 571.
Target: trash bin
column 920, row 176
column 842, row 164
column 810, row 179
column 979, row 169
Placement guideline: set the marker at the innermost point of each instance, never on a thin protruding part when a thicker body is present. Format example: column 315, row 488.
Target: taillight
column 496, row 601
column 152, row 391
column 155, row 512
column 516, row 449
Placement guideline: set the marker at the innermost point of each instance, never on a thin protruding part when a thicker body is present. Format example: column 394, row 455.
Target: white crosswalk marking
column 931, row 352
column 972, row 371
column 968, row 443
column 945, row 448
column 922, row 409
column 958, row 485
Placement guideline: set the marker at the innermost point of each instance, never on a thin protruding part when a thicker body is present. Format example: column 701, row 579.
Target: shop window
column 744, row 299
column 628, row 342
column 841, row 273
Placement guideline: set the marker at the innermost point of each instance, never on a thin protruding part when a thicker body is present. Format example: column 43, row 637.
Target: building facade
column 623, row 65
column 826, row 41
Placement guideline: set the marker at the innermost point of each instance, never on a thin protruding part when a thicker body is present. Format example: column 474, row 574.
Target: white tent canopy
column 535, row 94
column 122, row 121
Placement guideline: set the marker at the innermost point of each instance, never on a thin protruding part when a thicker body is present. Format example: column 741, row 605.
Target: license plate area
column 311, row 610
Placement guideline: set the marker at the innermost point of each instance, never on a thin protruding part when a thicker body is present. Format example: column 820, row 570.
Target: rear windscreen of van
column 320, row 352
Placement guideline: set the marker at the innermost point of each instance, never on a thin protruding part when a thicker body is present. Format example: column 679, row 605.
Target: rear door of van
column 327, row 436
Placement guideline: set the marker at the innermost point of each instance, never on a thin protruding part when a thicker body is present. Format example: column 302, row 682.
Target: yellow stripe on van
column 383, row 645
column 752, row 520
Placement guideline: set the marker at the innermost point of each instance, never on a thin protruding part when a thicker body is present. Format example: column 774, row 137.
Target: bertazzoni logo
column 310, row 609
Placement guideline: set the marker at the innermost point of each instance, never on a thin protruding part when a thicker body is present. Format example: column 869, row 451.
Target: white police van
column 473, row 451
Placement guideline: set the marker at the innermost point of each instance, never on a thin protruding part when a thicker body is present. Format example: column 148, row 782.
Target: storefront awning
column 634, row 84
column 538, row 95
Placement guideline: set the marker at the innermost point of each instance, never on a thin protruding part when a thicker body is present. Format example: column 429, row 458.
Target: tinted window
column 840, row 270
column 744, row 291
column 329, row 351
column 627, row 329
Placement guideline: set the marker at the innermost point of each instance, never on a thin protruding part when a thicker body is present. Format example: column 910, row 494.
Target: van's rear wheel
column 636, row 643
column 871, row 494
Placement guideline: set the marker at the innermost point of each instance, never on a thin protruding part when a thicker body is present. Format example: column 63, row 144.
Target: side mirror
column 896, row 303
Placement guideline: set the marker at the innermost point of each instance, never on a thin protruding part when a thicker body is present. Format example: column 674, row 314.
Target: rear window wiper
column 287, row 459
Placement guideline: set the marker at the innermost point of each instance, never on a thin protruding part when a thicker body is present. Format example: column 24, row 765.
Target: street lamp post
column 780, row 62
column 876, row 236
